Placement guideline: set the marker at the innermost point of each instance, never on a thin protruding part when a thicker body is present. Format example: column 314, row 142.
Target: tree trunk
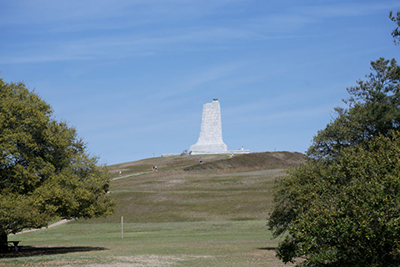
column 3, row 242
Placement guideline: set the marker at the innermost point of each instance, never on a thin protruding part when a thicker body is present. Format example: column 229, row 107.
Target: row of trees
column 45, row 171
column 341, row 208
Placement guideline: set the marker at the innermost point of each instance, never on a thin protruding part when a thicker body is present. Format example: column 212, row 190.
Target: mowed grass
column 222, row 243
column 184, row 214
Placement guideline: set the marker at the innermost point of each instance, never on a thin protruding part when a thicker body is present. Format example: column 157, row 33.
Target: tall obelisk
column 210, row 138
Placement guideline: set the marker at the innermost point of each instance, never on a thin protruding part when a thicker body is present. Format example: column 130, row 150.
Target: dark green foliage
column 341, row 208
column 291, row 195
column 373, row 110
column 348, row 211
column 44, row 169
column 396, row 32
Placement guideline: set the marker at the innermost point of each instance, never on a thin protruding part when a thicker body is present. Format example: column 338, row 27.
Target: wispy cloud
column 184, row 32
column 125, row 45
column 139, row 11
column 347, row 9
column 300, row 16
column 197, row 80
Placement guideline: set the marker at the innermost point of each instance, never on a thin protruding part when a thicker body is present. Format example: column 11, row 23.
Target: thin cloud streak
column 143, row 44
column 129, row 46
column 348, row 9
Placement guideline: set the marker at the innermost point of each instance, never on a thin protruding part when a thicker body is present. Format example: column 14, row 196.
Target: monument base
column 211, row 148
column 241, row 151
column 207, row 152
column 229, row 152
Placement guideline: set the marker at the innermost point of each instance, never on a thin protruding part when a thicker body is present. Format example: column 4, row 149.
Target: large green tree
column 349, row 209
column 373, row 110
column 45, row 171
column 341, row 202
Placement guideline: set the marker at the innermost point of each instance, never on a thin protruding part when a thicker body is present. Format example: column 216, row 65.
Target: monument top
column 215, row 99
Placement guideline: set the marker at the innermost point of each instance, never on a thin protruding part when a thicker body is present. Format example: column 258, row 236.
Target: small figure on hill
column 120, row 172
column 155, row 167
column 201, row 161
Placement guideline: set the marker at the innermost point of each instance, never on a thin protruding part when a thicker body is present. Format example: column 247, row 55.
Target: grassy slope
column 185, row 214
column 219, row 189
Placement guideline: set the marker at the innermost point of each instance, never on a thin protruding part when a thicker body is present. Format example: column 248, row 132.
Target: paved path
column 51, row 225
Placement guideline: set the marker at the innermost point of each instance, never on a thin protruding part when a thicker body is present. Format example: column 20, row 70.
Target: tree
column 396, row 32
column 349, row 212
column 332, row 206
column 44, row 169
column 373, row 110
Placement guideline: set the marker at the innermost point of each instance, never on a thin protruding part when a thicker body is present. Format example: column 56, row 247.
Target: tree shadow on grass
column 40, row 251
column 268, row 248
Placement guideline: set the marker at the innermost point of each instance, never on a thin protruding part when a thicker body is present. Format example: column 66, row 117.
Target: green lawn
column 220, row 243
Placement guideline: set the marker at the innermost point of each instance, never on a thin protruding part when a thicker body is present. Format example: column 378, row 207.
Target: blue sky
column 132, row 76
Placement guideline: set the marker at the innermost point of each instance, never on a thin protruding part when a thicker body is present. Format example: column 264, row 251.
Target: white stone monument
column 210, row 138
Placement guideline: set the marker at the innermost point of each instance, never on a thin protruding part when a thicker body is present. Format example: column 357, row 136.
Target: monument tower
column 210, row 138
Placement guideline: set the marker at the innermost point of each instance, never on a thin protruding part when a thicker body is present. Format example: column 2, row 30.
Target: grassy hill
column 185, row 214
column 182, row 190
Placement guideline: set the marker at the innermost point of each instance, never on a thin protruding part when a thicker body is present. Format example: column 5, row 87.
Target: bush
column 348, row 213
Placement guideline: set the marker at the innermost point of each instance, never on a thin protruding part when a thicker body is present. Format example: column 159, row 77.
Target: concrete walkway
column 51, row 225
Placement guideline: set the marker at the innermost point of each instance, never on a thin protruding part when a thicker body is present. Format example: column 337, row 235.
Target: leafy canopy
column 373, row 110
column 44, row 169
column 350, row 214
column 341, row 208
